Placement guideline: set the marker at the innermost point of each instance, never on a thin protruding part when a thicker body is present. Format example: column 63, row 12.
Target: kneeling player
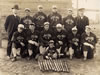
column 33, row 41
column 46, row 36
column 18, row 40
column 51, row 51
column 89, row 41
column 60, row 40
column 74, row 44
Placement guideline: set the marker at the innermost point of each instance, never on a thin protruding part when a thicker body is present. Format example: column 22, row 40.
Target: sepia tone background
column 24, row 67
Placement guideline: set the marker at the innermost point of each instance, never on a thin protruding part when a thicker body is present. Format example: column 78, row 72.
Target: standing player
column 60, row 39
column 11, row 25
column 74, row 43
column 69, row 21
column 54, row 18
column 18, row 42
column 39, row 18
column 46, row 36
column 81, row 21
column 89, row 41
column 27, row 19
column 33, row 41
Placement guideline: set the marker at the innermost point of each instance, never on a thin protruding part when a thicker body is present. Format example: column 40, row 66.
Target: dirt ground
column 77, row 66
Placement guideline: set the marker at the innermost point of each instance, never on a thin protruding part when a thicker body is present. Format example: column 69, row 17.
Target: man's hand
column 75, row 43
column 60, row 42
column 87, row 44
column 37, row 44
column 55, row 55
column 22, row 43
column 30, row 41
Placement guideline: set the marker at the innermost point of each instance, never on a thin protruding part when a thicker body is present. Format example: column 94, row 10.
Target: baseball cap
column 51, row 41
column 54, row 7
column 46, row 23
column 40, row 6
column 88, row 27
column 69, row 9
column 81, row 9
column 27, row 9
column 21, row 26
column 59, row 25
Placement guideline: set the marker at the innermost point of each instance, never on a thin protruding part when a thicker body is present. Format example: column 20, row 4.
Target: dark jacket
column 18, row 37
column 54, row 19
column 74, row 38
column 11, row 24
column 92, row 39
column 81, row 23
column 34, row 36
column 45, row 37
column 61, row 36
column 69, row 22
column 27, row 20
column 39, row 18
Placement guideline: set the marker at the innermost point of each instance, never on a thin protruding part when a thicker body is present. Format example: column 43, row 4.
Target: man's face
column 87, row 30
column 51, row 45
column 15, row 11
column 46, row 27
column 31, row 27
column 20, row 29
column 59, row 29
column 54, row 10
column 70, row 12
column 74, row 31
column 40, row 9
column 27, row 13
column 81, row 13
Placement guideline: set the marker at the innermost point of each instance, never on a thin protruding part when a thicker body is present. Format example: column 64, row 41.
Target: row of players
column 53, row 18
column 53, row 44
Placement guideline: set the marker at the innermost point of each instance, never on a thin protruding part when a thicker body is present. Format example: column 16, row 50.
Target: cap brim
column 16, row 8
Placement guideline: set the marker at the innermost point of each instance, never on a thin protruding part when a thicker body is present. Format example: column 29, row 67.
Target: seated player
column 51, row 52
column 18, row 42
column 60, row 40
column 45, row 37
column 89, row 41
column 33, row 41
column 74, row 44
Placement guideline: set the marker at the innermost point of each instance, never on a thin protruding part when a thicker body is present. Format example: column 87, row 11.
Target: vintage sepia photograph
column 49, row 37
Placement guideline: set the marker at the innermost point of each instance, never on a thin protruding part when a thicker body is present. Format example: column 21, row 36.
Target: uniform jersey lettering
column 40, row 17
column 69, row 21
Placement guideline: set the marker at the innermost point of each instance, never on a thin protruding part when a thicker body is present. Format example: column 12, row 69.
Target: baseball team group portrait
column 50, row 39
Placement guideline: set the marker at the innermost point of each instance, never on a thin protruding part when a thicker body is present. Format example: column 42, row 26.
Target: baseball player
column 89, row 41
column 18, row 42
column 54, row 18
column 60, row 39
column 27, row 19
column 39, row 18
column 51, row 52
column 33, row 41
column 45, row 37
column 74, row 43
column 81, row 21
column 69, row 21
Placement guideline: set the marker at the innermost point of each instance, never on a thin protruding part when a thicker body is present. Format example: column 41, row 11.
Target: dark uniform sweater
column 39, row 18
column 54, row 19
column 69, row 22
column 27, row 20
